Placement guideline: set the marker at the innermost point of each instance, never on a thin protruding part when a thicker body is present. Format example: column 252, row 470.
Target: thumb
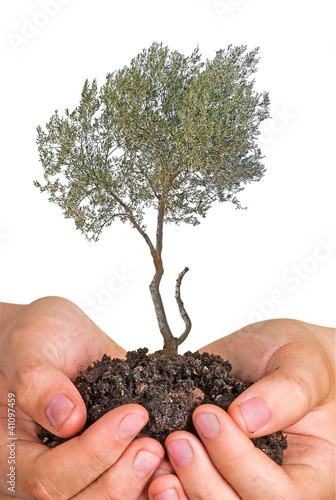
column 297, row 379
column 46, row 395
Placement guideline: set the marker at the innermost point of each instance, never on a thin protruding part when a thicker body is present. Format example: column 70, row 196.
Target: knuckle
column 112, row 494
column 94, row 463
column 26, row 380
column 110, row 488
column 204, row 490
column 303, row 389
column 105, row 495
column 40, row 488
column 229, row 465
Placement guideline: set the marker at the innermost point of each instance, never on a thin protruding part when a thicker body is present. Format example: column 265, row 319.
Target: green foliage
column 166, row 129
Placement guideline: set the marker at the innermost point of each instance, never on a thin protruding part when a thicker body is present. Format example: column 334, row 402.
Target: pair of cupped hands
column 45, row 344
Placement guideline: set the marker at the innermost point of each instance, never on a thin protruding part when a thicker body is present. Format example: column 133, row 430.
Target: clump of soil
column 170, row 390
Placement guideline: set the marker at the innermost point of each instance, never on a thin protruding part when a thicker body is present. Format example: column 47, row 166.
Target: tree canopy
column 168, row 132
column 167, row 125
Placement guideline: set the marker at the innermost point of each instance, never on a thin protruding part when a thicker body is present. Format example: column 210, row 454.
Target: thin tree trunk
column 170, row 343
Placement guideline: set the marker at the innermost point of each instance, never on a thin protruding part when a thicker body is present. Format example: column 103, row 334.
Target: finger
column 291, row 374
column 167, row 487
column 298, row 381
column 164, row 468
column 66, row 470
column 46, row 394
column 246, row 468
column 128, row 477
column 194, row 468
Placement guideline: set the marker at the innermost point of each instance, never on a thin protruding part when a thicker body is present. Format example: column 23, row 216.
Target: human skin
column 43, row 345
column 293, row 366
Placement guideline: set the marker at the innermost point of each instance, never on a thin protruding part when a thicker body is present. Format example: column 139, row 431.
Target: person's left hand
column 42, row 347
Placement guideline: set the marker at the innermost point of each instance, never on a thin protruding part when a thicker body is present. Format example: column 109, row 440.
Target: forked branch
column 182, row 310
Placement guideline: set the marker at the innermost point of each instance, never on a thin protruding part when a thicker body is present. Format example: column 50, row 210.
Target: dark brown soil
column 169, row 389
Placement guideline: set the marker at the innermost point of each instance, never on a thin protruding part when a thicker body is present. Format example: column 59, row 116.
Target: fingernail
column 255, row 413
column 131, row 425
column 207, row 424
column 58, row 410
column 181, row 452
column 167, row 495
column 145, row 463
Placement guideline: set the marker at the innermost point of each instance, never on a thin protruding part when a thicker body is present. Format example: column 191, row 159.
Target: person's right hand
column 42, row 348
column 293, row 366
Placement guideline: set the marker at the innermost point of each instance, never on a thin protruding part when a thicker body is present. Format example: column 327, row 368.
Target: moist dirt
column 170, row 390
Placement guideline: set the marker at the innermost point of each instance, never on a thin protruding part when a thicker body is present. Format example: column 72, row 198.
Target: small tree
column 168, row 132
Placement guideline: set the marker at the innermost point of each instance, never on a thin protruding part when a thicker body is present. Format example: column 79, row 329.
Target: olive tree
column 168, row 132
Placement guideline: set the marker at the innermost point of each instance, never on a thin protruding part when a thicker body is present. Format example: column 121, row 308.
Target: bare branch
column 182, row 310
column 136, row 225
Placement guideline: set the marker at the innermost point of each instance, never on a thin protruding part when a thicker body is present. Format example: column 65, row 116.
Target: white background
column 276, row 259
